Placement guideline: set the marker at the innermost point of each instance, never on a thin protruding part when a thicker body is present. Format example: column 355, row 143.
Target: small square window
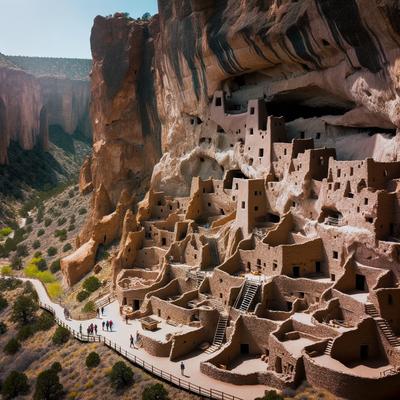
column 251, row 131
column 261, row 153
column 243, row 204
column 252, row 110
column 256, row 208
column 366, row 201
column 218, row 102
column 335, row 255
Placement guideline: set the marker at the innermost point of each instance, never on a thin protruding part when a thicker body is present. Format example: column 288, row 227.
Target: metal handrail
column 182, row 383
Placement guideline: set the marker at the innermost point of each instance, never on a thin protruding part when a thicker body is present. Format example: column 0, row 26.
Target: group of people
column 91, row 329
column 108, row 324
column 134, row 339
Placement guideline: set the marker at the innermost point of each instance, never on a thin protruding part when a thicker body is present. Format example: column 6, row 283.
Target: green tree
column 61, row 335
column 121, row 375
column 92, row 360
column 155, row 392
column 24, row 310
column 51, row 251
column 12, row 346
column 36, row 244
column 48, row 386
column 146, row 16
column 91, row 284
column 14, row 385
column 55, row 266
column 3, row 303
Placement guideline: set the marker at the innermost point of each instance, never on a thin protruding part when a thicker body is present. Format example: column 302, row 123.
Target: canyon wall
column 329, row 67
column 23, row 116
column 33, row 97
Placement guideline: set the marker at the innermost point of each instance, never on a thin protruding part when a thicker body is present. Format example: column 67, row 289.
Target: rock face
column 33, row 97
column 325, row 66
column 23, row 116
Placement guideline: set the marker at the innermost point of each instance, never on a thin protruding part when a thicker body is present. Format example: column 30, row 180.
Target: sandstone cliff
column 329, row 67
column 23, row 116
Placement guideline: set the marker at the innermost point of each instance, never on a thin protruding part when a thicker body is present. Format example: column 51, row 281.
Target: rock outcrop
column 23, row 116
column 330, row 68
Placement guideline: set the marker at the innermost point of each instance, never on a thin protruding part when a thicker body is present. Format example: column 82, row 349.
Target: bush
column 155, row 392
column 3, row 303
column 55, row 266
column 67, row 247
column 14, row 385
column 40, row 232
column 9, row 284
column 270, row 395
column 29, row 229
column 24, row 310
column 71, row 228
column 82, row 211
column 61, row 335
column 65, row 203
column 54, row 289
column 89, row 307
column 121, row 375
column 91, row 284
column 25, row 332
column 48, row 386
column 30, row 290
column 71, row 194
column 22, row 250
column 44, row 322
column 61, row 234
column 29, row 221
column 40, row 263
column 61, row 221
column 82, row 295
column 56, row 366
column 16, row 262
column 51, row 251
column 12, row 346
column 6, row 270
column 47, row 222
column 72, row 219
column 3, row 328
column 37, row 254
column 92, row 360
column 5, row 231
column 32, row 271
column 36, row 244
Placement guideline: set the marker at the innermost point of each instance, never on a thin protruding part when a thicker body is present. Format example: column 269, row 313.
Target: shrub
column 44, row 322
column 72, row 219
column 3, row 328
column 12, row 346
column 3, row 303
column 29, row 220
column 29, row 229
column 37, row 254
column 47, row 222
column 40, row 232
column 48, row 386
column 14, row 385
column 56, row 366
column 9, row 284
column 30, row 290
column 270, row 395
column 82, row 295
column 5, row 231
column 51, row 251
column 154, row 392
column 61, row 221
column 32, row 271
column 82, row 211
column 36, row 244
column 25, row 332
column 54, row 289
column 40, row 263
column 55, row 266
column 24, row 309
column 92, row 360
column 91, row 284
column 61, row 234
column 71, row 194
column 89, row 307
column 65, row 203
column 22, row 250
column 6, row 270
column 16, row 262
column 121, row 375
column 71, row 228
column 67, row 247
column 61, row 335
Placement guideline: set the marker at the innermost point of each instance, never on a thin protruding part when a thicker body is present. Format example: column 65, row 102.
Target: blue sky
column 57, row 28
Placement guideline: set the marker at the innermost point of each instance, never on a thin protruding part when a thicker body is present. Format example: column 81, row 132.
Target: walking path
column 119, row 340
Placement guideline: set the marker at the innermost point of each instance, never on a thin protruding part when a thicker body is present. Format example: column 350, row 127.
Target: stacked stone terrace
column 285, row 270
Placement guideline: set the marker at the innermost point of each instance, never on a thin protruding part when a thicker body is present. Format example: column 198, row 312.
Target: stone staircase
column 383, row 325
column 371, row 310
column 246, row 296
column 388, row 332
column 328, row 347
column 219, row 335
column 200, row 276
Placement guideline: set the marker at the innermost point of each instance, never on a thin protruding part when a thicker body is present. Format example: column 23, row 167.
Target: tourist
column 132, row 341
column 182, row 368
column 111, row 324
column 98, row 312
column 102, row 310
column 95, row 329
column 80, row 329
column 126, row 319
column 88, row 330
column 103, row 324
column 107, row 325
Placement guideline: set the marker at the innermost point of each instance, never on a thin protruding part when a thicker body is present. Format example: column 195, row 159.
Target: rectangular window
column 261, row 153
column 366, row 201
column 243, row 204
column 252, row 110
column 335, row 255
column 338, row 173
column 251, row 131
column 218, row 102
